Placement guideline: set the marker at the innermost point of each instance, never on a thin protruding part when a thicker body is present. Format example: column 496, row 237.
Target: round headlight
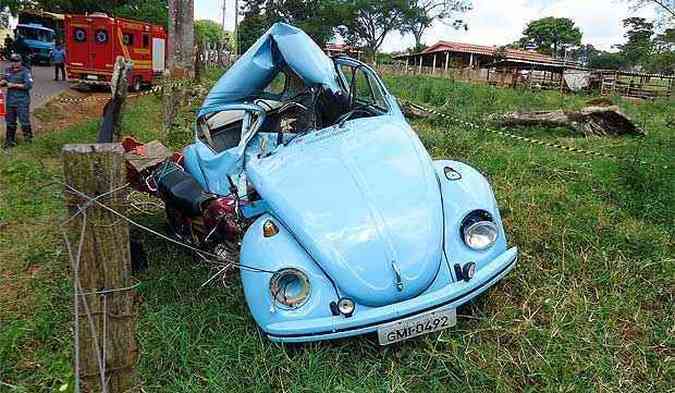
column 290, row 287
column 481, row 235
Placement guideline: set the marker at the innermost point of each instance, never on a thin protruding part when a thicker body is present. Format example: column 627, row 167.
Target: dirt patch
column 64, row 110
column 69, row 108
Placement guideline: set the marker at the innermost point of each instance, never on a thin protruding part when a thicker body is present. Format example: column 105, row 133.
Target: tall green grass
column 589, row 307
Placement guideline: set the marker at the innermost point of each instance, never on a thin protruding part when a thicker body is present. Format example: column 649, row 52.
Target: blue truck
column 40, row 40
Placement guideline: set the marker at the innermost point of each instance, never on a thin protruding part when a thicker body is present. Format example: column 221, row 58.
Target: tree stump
column 104, row 265
column 112, row 112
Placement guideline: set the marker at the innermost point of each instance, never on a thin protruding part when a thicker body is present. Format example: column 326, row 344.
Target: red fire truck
column 94, row 41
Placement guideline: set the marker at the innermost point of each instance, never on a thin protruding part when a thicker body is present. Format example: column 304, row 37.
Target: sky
column 496, row 22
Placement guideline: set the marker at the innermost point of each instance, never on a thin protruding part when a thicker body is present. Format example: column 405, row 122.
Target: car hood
column 363, row 200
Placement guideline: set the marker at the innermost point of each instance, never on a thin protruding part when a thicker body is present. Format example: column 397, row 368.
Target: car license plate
column 418, row 325
column 92, row 77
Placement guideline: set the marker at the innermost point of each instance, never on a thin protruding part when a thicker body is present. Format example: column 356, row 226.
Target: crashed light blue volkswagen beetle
column 350, row 227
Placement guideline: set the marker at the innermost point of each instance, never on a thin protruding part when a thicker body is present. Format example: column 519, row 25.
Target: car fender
column 270, row 254
column 464, row 189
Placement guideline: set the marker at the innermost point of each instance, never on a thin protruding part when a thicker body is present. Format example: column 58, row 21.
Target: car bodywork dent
column 331, row 182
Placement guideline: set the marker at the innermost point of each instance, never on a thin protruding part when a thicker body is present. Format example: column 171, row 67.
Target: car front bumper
column 450, row 296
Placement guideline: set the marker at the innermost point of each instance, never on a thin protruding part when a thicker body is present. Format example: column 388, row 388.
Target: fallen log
column 592, row 120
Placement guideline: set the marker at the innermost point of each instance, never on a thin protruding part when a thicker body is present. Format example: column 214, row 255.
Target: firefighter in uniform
column 18, row 81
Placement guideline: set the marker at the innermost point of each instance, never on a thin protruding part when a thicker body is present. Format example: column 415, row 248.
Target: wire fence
column 222, row 260
column 220, row 263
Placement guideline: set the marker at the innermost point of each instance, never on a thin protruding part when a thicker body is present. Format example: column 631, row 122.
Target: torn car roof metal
column 281, row 46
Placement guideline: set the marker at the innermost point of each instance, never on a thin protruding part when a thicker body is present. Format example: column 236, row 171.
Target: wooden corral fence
column 534, row 79
column 215, row 55
column 455, row 73
column 637, row 85
column 609, row 82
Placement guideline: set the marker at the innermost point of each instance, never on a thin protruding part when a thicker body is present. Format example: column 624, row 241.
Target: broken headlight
column 290, row 288
column 479, row 230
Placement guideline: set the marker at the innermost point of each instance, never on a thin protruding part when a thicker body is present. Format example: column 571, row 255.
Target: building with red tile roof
column 447, row 54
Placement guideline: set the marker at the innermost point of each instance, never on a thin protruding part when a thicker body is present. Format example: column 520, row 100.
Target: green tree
column 371, row 21
column 208, row 32
column 423, row 13
column 551, row 35
column 318, row 18
column 662, row 61
column 639, row 45
column 154, row 11
column 607, row 61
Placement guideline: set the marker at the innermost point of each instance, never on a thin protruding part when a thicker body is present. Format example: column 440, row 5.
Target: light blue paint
column 282, row 45
column 355, row 205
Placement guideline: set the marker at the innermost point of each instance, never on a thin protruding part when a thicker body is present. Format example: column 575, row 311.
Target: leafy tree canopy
column 639, row 43
column 551, row 34
column 607, row 61
column 422, row 14
column 153, row 11
column 371, row 20
column 208, row 32
column 318, row 18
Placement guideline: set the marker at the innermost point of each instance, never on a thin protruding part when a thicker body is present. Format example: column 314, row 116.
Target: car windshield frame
column 371, row 76
column 253, row 117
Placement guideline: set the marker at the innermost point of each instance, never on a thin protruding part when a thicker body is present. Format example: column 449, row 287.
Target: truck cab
column 39, row 39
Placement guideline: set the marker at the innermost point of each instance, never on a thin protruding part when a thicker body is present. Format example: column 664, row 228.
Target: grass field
column 589, row 308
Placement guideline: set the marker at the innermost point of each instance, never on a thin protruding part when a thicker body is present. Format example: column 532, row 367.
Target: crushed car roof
column 281, row 46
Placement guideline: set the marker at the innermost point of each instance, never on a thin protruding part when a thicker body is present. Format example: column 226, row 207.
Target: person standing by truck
column 21, row 48
column 19, row 81
column 58, row 58
column 9, row 47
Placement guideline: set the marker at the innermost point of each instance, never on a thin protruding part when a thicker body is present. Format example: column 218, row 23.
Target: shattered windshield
column 299, row 89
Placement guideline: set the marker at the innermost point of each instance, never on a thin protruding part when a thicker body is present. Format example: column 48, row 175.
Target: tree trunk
column 105, row 323
column 181, row 38
column 181, row 60
column 201, row 58
column 592, row 120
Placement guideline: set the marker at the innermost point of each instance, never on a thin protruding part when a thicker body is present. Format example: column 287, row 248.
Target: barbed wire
column 96, row 201
column 144, row 203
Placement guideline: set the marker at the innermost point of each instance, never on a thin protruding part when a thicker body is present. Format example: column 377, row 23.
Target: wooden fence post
column 106, row 315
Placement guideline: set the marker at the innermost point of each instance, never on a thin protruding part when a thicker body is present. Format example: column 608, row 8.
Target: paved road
column 44, row 85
